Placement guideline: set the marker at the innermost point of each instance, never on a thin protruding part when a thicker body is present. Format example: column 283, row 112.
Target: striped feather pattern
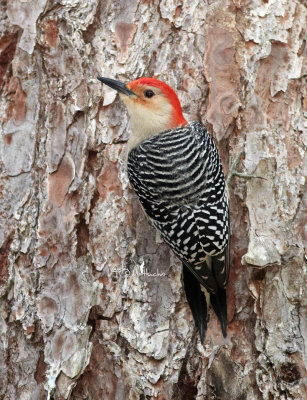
column 179, row 180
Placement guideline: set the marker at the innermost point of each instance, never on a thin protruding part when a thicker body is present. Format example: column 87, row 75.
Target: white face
column 149, row 115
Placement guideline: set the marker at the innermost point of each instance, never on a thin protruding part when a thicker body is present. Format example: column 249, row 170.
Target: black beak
column 119, row 86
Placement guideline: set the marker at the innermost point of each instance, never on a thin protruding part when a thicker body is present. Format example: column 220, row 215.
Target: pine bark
column 92, row 305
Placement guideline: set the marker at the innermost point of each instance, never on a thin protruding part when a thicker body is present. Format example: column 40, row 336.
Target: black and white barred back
column 179, row 180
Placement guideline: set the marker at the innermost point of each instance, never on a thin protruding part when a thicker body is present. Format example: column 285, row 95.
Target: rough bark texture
column 80, row 319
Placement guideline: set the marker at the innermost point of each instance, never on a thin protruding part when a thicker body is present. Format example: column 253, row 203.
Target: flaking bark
column 92, row 305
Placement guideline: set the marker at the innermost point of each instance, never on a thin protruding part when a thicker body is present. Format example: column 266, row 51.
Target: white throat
column 146, row 122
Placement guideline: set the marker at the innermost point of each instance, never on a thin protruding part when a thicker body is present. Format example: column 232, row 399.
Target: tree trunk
column 92, row 305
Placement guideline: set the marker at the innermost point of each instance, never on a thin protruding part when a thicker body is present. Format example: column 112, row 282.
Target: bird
column 176, row 171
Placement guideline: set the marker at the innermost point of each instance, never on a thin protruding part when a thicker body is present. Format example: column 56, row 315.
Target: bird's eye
column 149, row 93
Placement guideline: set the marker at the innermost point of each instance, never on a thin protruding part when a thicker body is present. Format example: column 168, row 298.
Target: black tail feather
column 218, row 301
column 197, row 301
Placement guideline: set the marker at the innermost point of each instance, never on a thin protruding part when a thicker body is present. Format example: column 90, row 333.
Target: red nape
column 177, row 118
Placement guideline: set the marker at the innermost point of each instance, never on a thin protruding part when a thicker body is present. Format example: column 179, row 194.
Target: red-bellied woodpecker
column 175, row 169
